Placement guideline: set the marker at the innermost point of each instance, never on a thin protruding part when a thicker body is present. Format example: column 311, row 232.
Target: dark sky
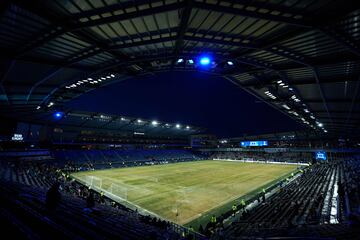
column 197, row 99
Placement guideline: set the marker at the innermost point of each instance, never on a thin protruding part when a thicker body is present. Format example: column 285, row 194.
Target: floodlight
column 180, row 60
column 58, row 115
column 204, row 61
column 230, row 63
column 286, row 107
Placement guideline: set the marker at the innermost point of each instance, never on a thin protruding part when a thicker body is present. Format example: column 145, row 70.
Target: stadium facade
column 71, row 174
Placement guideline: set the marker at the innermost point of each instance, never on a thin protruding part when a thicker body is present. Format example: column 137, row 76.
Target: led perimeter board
column 254, row 143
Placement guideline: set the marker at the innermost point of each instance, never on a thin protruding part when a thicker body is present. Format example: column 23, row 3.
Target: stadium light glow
column 286, row 107
column 58, row 115
column 187, row 127
column 154, row 123
column 190, row 61
column 230, row 63
column 139, row 121
column 180, row 60
column 204, row 61
column 178, row 125
column 38, row 107
column 320, row 124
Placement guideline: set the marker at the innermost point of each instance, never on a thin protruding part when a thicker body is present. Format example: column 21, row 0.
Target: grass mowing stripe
column 192, row 189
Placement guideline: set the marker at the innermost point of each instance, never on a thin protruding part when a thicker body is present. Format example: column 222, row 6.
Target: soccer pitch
column 183, row 192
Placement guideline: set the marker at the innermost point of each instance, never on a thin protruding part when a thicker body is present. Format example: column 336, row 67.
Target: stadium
column 180, row 119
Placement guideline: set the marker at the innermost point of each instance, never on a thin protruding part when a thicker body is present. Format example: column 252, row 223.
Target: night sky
column 192, row 98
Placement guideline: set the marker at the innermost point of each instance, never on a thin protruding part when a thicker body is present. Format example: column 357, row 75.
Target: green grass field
column 193, row 189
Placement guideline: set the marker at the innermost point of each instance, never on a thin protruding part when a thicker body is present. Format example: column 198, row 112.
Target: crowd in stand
column 64, row 191
column 307, row 199
column 349, row 185
column 122, row 158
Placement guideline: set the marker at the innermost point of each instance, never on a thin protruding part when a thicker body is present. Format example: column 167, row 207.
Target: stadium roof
column 300, row 56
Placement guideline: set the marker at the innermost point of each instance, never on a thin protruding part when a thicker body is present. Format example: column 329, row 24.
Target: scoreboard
column 254, row 143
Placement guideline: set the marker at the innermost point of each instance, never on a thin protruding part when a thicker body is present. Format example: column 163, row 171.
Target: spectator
column 90, row 201
column 53, row 197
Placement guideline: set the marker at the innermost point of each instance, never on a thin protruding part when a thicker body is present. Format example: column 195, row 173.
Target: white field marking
column 218, row 205
column 116, row 198
column 181, row 188
column 212, row 208
column 128, row 186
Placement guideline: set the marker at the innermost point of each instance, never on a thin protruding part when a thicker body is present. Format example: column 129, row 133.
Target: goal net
column 119, row 191
column 94, row 182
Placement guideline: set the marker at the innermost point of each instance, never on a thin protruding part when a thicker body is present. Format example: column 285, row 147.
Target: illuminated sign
column 17, row 137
